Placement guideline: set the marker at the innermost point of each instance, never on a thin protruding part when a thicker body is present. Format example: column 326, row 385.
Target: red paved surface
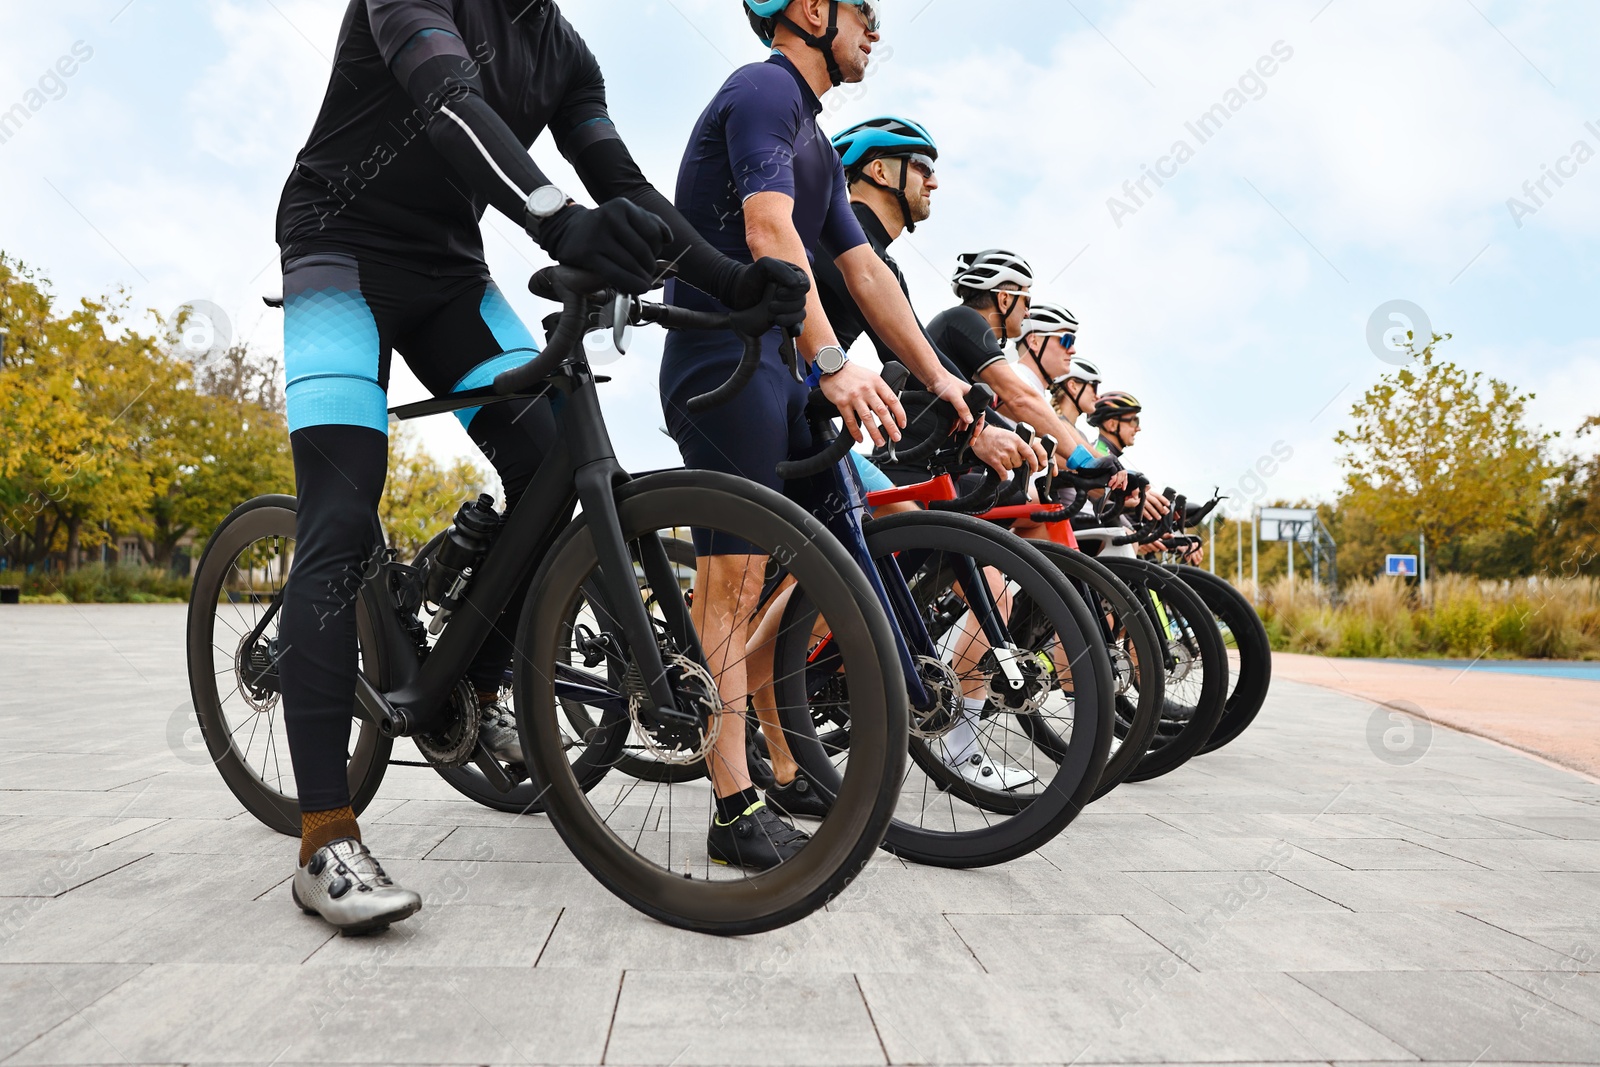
column 1557, row 718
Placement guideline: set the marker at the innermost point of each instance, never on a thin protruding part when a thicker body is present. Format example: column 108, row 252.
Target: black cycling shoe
column 758, row 840
column 799, row 797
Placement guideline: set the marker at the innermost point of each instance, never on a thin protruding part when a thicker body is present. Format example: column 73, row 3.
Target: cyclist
column 889, row 165
column 1046, row 343
column 759, row 178
column 426, row 123
column 994, row 289
column 1116, row 416
column 1076, row 393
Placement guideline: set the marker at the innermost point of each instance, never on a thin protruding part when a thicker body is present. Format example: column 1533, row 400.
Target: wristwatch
column 830, row 359
column 543, row 202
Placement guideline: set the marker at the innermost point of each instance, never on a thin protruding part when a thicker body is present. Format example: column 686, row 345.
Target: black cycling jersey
column 427, row 119
column 965, row 337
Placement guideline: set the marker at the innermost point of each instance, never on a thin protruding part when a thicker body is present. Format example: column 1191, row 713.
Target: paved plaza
column 1337, row 886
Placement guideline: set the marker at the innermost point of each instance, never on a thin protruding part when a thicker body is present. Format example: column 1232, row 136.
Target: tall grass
column 1531, row 618
column 124, row 583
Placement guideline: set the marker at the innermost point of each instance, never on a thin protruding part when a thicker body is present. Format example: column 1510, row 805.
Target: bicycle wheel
column 524, row 797
column 1054, row 726
column 1195, row 661
column 232, row 640
column 1249, row 653
column 646, row 841
column 1136, row 659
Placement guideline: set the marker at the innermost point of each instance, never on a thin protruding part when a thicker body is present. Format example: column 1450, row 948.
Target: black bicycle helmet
column 1114, row 405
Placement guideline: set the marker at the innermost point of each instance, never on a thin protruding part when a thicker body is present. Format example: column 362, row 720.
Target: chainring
column 454, row 745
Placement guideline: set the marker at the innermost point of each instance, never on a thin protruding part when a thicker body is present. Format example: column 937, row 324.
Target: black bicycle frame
column 581, row 470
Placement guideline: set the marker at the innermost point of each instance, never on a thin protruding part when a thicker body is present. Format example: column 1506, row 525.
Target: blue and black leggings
column 342, row 320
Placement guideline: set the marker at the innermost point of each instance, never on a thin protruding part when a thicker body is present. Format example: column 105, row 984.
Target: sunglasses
column 869, row 15
column 922, row 164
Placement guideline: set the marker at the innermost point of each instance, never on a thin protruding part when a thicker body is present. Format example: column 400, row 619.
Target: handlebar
column 981, row 498
column 579, row 291
column 978, row 399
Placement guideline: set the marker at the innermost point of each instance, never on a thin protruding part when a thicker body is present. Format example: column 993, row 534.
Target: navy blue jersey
column 759, row 134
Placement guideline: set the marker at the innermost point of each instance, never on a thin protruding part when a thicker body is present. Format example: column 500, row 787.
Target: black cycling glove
column 619, row 240
column 767, row 293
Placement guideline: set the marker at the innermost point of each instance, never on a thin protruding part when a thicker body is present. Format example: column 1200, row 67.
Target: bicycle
column 1044, row 671
column 647, row 849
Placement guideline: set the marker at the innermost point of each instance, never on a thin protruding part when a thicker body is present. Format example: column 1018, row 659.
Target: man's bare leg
column 727, row 591
column 759, row 671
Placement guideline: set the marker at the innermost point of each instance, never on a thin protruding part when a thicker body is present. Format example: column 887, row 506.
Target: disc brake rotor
column 1038, row 682
column 695, row 691
column 941, row 682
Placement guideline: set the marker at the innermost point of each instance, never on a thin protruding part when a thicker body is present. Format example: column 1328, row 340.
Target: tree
column 421, row 496
column 1443, row 452
column 1569, row 541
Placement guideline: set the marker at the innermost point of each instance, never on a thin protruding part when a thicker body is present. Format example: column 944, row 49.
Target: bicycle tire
column 1248, row 686
column 849, row 835
column 1076, row 771
column 262, row 518
column 1189, row 713
column 1136, row 663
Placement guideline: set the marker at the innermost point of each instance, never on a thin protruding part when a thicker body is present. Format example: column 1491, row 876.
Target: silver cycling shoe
column 346, row 886
column 497, row 729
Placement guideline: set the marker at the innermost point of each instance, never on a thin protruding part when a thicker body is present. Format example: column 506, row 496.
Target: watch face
column 546, row 201
column 831, row 359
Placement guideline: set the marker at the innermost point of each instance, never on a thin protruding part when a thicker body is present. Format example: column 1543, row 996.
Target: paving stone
column 171, row 877
column 1058, row 944
column 1542, row 854
column 836, row 942
column 1551, row 894
column 745, row 1019
column 1244, row 940
column 36, row 873
column 37, row 996
column 1459, row 1015
column 1165, row 1015
column 69, row 833
column 1201, row 891
column 453, row 935
column 187, row 1013
column 1378, row 854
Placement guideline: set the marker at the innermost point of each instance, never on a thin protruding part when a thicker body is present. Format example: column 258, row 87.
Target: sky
column 1226, row 270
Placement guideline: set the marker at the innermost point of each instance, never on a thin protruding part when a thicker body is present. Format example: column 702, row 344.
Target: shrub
column 123, row 583
column 1533, row 618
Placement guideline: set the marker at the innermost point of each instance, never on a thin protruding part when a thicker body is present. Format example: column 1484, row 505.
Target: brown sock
column 318, row 828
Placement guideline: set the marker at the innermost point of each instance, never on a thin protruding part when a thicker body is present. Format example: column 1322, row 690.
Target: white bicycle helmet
column 1084, row 370
column 1052, row 320
column 986, row 271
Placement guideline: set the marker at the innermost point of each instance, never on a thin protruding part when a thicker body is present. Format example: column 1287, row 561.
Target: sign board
column 1288, row 524
column 1400, row 566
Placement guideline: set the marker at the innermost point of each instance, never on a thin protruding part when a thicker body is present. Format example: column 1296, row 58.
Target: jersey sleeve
column 965, row 338
column 583, row 119
column 841, row 230
column 762, row 124
column 395, row 22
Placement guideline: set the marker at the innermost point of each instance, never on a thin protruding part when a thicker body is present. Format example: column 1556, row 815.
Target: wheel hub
column 256, row 664
column 1024, row 695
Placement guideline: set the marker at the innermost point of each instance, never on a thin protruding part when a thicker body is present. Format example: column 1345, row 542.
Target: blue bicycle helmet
column 766, row 14
column 886, row 137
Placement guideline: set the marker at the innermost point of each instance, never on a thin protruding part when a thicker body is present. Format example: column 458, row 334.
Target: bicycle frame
column 581, row 469
column 888, row 580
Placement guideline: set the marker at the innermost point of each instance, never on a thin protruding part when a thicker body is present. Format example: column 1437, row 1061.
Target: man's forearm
column 1017, row 401
column 889, row 314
